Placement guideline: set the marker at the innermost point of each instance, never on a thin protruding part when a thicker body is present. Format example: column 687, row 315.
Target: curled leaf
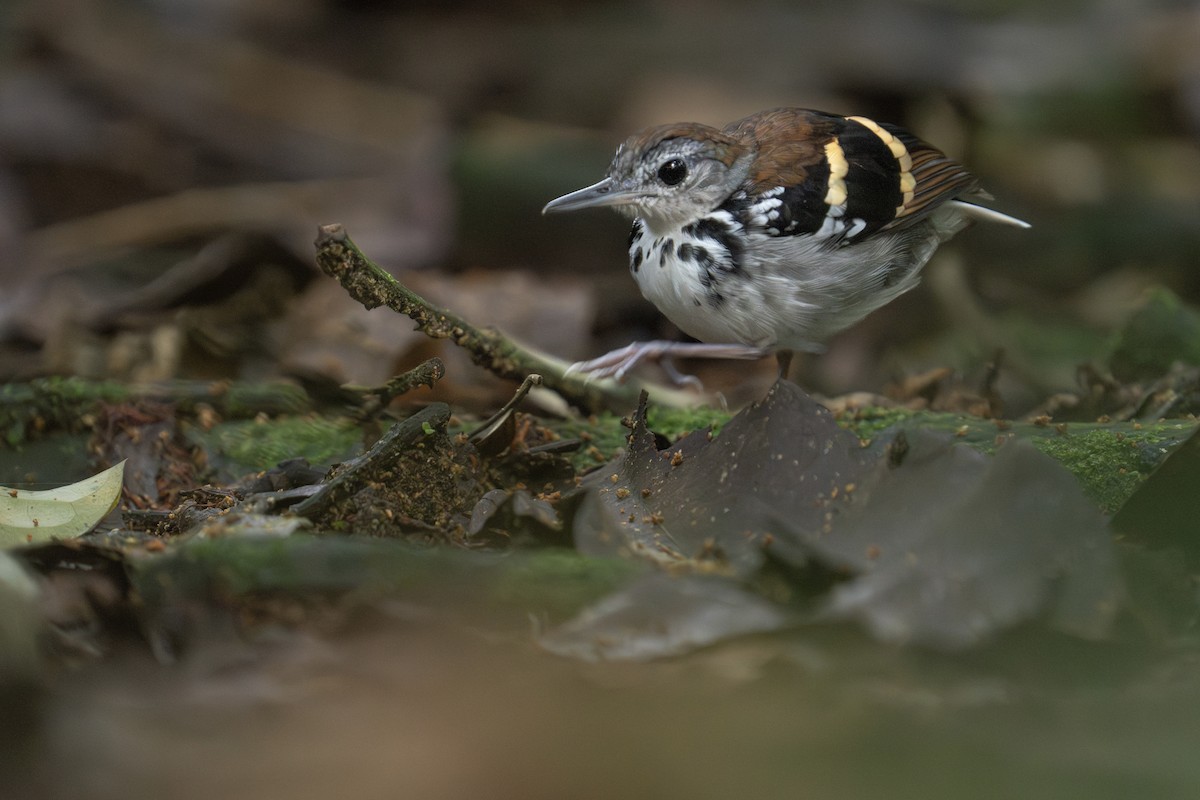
column 37, row 516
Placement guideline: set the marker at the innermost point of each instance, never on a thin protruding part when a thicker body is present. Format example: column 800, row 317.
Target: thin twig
column 375, row 399
column 371, row 285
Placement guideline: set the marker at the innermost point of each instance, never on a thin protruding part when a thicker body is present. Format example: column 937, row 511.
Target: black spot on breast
column 685, row 252
column 708, row 228
column 725, row 237
column 635, row 232
column 636, row 261
column 711, row 281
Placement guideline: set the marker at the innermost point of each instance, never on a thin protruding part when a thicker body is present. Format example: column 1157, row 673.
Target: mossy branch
column 50, row 404
column 371, row 285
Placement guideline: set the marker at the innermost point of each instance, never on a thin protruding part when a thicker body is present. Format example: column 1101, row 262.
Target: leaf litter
column 783, row 520
column 924, row 541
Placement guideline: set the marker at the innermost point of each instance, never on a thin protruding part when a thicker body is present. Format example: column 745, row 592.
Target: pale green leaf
column 36, row 516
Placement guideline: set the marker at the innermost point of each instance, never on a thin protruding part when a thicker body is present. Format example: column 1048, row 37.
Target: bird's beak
column 604, row 193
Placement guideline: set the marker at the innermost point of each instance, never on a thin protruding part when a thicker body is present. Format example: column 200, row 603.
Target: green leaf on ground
column 38, row 516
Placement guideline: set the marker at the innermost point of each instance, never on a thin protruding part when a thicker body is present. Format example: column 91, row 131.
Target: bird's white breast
column 779, row 292
column 694, row 281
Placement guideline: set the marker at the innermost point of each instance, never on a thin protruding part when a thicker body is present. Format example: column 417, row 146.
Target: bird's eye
column 672, row 172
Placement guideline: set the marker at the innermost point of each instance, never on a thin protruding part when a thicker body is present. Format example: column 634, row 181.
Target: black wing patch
column 859, row 177
column 872, row 179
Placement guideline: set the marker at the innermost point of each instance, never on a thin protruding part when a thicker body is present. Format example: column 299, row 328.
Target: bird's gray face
column 666, row 183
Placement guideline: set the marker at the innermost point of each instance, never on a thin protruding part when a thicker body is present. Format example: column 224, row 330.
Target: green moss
column 555, row 581
column 250, row 446
column 560, row 581
column 676, row 422
column 28, row 410
column 49, row 404
column 602, row 435
column 1108, row 465
column 867, row 423
column 605, row 435
column 301, row 563
column 1110, row 459
column 246, row 400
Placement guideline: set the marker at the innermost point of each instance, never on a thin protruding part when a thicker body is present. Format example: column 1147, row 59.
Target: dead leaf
column 935, row 543
column 954, row 545
column 38, row 516
column 785, row 455
column 660, row 615
column 1164, row 511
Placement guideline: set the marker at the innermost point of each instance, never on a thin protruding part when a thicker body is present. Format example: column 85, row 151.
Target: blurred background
column 164, row 165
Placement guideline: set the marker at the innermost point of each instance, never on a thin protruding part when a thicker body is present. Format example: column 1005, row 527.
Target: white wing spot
column 766, row 209
column 831, row 227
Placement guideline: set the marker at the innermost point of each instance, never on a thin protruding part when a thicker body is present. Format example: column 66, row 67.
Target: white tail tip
column 988, row 214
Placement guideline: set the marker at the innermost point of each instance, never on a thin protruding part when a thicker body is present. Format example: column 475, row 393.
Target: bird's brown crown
column 714, row 143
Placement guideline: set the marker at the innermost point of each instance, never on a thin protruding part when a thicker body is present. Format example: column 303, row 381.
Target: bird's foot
column 618, row 363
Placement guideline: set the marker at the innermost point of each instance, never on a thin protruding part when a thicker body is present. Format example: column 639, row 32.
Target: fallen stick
column 373, row 286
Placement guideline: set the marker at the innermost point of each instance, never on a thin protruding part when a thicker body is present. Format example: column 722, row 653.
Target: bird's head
column 667, row 175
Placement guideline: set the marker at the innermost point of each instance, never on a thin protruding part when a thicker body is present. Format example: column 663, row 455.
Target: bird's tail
column 988, row 214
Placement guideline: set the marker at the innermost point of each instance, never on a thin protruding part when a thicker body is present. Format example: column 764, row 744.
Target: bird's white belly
column 789, row 292
column 691, row 281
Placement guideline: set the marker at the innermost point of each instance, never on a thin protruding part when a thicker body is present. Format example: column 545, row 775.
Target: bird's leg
column 618, row 363
column 678, row 377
